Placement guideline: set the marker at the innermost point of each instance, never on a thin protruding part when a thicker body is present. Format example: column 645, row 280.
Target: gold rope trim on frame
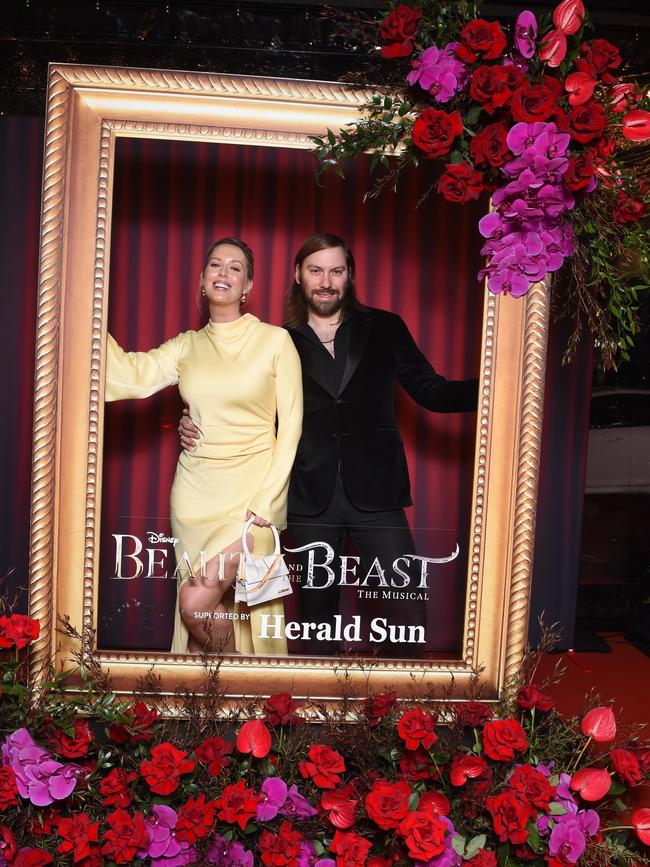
column 530, row 442
column 47, row 363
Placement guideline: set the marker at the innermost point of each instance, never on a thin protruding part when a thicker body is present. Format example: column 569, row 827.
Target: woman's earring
column 244, row 297
column 202, row 290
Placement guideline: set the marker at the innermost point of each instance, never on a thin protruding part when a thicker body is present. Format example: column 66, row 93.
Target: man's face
column 324, row 277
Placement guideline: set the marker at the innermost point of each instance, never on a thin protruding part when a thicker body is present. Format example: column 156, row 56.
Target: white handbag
column 261, row 579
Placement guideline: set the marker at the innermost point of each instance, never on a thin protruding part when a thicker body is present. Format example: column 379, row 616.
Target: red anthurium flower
column 568, row 16
column 592, row 783
column 599, row 724
column 636, row 125
column 580, row 86
column 255, row 738
column 435, row 802
column 340, row 807
column 552, row 48
column 624, row 94
column 641, row 822
column 466, row 767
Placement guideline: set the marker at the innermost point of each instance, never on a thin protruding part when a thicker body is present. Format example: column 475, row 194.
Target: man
column 350, row 478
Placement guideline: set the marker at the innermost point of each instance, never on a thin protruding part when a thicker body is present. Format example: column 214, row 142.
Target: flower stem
column 582, row 752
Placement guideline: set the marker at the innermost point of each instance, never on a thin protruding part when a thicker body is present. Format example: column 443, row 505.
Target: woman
column 237, row 375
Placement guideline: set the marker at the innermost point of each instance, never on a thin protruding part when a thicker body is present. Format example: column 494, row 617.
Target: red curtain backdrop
column 171, row 200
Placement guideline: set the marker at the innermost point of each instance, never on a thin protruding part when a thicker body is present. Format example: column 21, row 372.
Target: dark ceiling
column 289, row 39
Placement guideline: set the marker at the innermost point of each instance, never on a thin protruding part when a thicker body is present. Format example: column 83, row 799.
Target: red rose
column 460, row 183
column 627, row 766
column 324, row 766
column 237, row 804
column 532, row 786
column 587, row 121
column 489, row 87
column 388, row 803
column 379, row 706
column 351, row 849
column 18, row 630
column 417, row 765
column 212, row 752
column 163, row 770
column 509, row 816
column 416, row 729
column 281, row 849
column 591, row 783
column 628, row 210
column 484, row 858
column 195, row 819
column 340, row 807
column 434, row 131
column 579, row 174
column 502, row 738
column 481, row 38
column 8, row 844
column 531, row 696
column 489, row 146
column 473, row 713
column 279, row 710
column 8, row 788
column 424, row 835
column 72, row 746
column 125, row 836
column 378, row 861
column 137, row 726
column 568, row 16
column 532, row 102
column 598, row 57
column 255, row 738
column 77, row 834
column 599, row 724
column 466, row 767
column 398, row 31
column 115, row 788
column 27, row 857
column 643, row 756
column 641, row 822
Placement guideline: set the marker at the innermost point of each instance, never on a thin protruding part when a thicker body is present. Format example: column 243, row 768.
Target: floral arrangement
column 96, row 780
column 538, row 120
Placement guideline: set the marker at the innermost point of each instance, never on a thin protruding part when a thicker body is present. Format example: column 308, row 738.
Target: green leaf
column 414, row 800
column 503, row 853
column 616, row 788
column 533, row 839
column 458, row 844
column 475, row 845
column 557, row 809
column 472, row 115
column 331, row 138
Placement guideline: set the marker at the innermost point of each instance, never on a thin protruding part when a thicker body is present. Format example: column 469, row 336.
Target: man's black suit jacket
column 353, row 430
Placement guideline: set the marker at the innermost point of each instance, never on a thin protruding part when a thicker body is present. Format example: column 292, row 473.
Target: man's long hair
column 296, row 305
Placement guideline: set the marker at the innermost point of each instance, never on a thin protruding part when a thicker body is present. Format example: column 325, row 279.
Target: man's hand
column 188, row 432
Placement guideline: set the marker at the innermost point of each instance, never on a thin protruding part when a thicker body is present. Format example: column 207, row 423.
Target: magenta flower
column 163, row 847
column 567, row 841
column 274, row 794
column 526, row 34
column 228, row 853
column 440, row 72
column 296, row 806
column 39, row 778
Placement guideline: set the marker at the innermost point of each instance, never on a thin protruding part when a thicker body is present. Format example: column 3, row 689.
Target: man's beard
column 327, row 306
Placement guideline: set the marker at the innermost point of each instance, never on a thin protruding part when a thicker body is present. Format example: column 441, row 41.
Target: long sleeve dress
column 236, row 378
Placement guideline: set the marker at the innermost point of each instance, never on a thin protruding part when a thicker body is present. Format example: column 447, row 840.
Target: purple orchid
column 274, row 794
column 163, row 847
column 228, row 853
column 439, row 72
column 308, row 858
column 39, row 778
column 296, row 806
column 567, row 840
column 525, row 34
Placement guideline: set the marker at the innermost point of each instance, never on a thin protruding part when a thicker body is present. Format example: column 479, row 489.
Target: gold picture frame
column 88, row 108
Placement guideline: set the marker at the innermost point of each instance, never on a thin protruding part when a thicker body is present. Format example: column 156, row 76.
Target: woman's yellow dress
column 236, row 378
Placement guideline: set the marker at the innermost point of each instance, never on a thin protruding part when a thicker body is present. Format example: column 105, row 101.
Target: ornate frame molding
column 88, row 108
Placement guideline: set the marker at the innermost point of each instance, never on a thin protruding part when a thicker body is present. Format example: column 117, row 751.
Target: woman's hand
column 188, row 432
column 257, row 520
